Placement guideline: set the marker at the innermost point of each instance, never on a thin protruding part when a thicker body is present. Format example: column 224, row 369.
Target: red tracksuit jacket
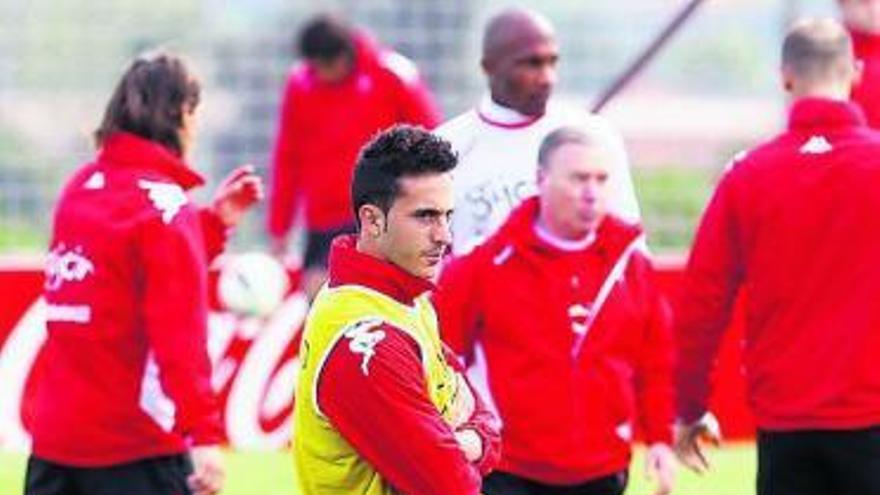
column 794, row 224
column 867, row 92
column 387, row 415
column 126, row 373
column 513, row 305
column 323, row 127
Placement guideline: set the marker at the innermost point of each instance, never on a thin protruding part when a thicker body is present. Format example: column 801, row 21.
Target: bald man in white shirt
column 497, row 142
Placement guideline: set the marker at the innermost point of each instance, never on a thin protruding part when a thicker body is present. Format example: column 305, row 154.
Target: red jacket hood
column 127, row 150
column 347, row 265
column 613, row 235
column 366, row 51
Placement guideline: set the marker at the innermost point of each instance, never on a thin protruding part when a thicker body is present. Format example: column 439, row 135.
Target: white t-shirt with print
column 498, row 153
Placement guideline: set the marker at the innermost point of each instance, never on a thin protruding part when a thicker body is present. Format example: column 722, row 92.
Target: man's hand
column 208, row 474
column 470, row 443
column 464, row 404
column 689, row 440
column 236, row 194
column 463, row 407
column 660, row 465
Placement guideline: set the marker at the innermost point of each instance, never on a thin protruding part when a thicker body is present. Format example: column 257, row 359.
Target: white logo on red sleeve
column 816, row 145
column 401, row 66
column 96, row 181
column 167, row 198
column 66, row 265
column 738, row 157
column 624, row 431
column 363, row 337
column 153, row 400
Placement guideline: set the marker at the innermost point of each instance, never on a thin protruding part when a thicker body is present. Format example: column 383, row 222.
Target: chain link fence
column 60, row 59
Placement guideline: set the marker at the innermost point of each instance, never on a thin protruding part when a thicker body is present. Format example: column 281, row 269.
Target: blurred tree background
column 712, row 91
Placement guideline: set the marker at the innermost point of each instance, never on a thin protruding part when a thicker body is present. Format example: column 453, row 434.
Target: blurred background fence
column 712, row 91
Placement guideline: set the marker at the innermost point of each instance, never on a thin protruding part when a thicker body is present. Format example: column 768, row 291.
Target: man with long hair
column 125, row 404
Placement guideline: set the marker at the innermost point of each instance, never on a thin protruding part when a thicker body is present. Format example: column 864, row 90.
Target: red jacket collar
column 349, row 266
column 366, row 50
column 866, row 45
column 129, row 150
column 613, row 236
column 823, row 113
column 500, row 116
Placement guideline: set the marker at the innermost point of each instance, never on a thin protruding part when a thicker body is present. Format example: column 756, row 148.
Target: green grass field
column 672, row 200
column 270, row 474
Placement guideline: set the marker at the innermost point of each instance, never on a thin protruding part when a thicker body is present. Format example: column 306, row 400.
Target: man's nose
column 547, row 75
column 590, row 192
column 442, row 231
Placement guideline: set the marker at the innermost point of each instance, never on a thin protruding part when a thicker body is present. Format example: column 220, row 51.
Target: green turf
column 18, row 237
column 271, row 474
column 11, row 473
column 733, row 473
column 672, row 200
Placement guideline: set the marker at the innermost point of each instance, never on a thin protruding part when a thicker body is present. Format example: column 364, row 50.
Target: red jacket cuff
column 215, row 233
column 659, row 434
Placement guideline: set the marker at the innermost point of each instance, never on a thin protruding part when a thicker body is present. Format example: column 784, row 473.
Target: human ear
column 372, row 220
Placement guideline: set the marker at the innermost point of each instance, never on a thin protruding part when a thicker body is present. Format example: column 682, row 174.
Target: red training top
column 794, row 224
column 514, row 307
column 387, row 415
column 323, row 126
column 126, row 372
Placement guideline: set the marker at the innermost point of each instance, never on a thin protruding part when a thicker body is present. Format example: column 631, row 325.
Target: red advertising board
column 255, row 365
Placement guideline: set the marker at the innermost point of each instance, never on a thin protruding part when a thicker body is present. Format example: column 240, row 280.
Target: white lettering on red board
column 255, row 371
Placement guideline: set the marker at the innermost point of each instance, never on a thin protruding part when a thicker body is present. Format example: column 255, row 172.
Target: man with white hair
column 573, row 336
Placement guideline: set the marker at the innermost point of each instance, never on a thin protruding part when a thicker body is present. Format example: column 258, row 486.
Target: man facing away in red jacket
column 124, row 403
column 794, row 224
column 347, row 89
column 566, row 335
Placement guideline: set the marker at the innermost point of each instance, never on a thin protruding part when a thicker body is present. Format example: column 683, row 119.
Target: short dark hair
column 401, row 151
column 325, row 38
column 817, row 50
column 150, row 100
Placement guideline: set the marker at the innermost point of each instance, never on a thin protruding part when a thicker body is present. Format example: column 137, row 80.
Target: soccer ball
column 252, row 284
